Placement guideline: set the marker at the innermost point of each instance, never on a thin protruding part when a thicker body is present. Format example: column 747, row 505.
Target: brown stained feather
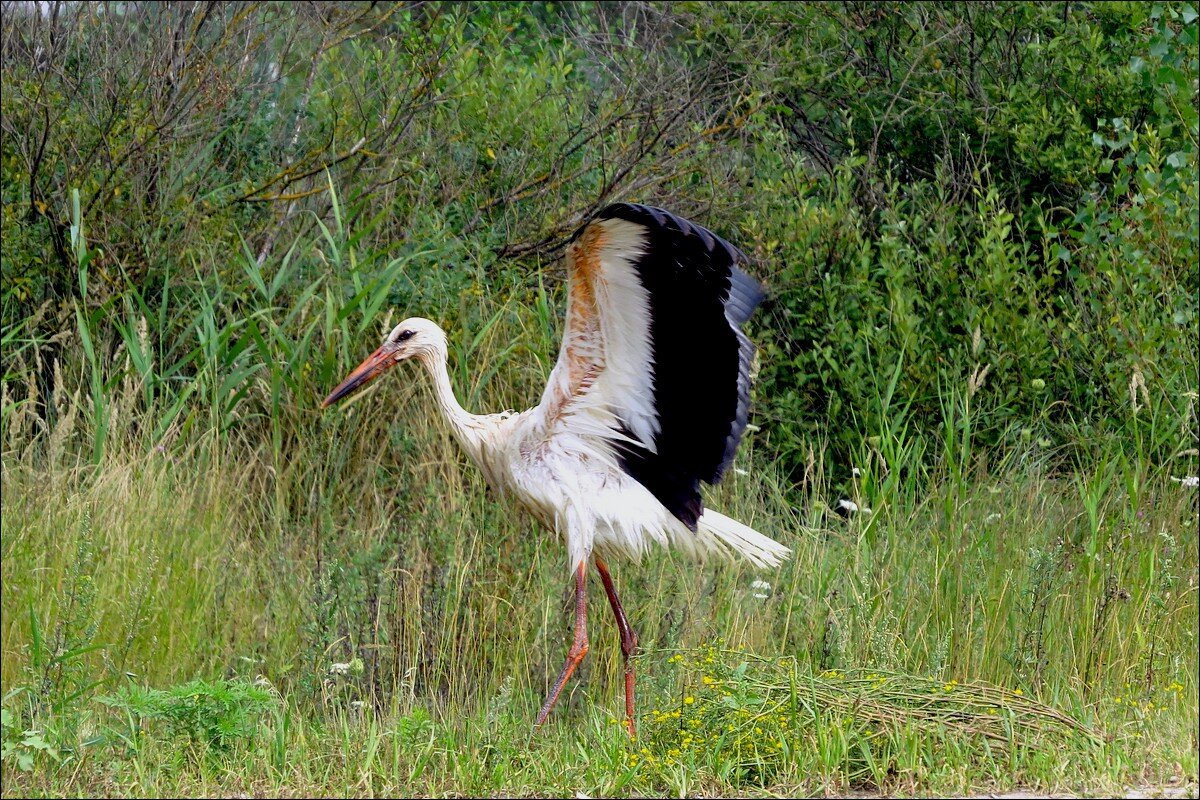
column 583, row 313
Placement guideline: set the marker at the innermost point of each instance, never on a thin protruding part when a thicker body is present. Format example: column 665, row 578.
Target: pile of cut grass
column 745, row 719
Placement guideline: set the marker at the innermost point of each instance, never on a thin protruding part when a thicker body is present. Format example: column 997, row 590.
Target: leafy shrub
column 1072, row 281
column 943, row 181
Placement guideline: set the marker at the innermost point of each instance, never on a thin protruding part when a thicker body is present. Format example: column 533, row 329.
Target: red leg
column 629, row 642
column 579, row 647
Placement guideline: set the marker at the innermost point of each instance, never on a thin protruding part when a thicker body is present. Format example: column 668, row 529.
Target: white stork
column 650, row 396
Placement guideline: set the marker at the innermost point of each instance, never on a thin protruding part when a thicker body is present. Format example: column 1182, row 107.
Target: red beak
column 363, row 374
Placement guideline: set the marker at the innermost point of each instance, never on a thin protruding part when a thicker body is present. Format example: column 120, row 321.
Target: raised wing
column 653, row 359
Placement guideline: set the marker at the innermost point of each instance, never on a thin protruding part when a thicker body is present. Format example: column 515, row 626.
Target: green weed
column 198, row 714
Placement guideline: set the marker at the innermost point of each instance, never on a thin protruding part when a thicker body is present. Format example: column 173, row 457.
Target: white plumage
column 648, row 398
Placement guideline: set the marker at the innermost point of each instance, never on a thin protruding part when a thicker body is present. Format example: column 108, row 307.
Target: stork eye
column 400, row 337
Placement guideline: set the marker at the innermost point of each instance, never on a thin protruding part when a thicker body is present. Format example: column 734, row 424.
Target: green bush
column 1063, row 263
column 996, row 199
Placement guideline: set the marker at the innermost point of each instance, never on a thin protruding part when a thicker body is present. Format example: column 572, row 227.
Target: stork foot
column 579, row 646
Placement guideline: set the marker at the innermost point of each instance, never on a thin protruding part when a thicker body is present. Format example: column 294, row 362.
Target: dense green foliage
column 1009, row 186
column 1004, row 186
column 978, row 228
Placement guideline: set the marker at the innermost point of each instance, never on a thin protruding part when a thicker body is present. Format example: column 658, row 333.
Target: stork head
column 414, row 337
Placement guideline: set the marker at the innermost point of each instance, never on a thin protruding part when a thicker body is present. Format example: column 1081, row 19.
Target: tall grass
column 354, row 561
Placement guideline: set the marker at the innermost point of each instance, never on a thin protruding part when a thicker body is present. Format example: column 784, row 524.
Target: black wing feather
column 699, row 297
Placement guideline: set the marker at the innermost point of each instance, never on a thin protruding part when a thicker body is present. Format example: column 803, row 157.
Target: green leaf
column 35, row 740
column 78, row 651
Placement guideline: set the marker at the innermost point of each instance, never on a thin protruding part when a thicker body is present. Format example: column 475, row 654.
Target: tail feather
column 742, row 540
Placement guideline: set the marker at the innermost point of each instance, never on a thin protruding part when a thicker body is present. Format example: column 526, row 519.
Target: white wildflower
column 761, row 589
column 1188, row 482
column 339, row 668
column 848, row 506
column 856, row 472
column 740, row 471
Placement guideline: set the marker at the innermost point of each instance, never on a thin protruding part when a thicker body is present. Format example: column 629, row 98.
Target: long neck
column 467, row 427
